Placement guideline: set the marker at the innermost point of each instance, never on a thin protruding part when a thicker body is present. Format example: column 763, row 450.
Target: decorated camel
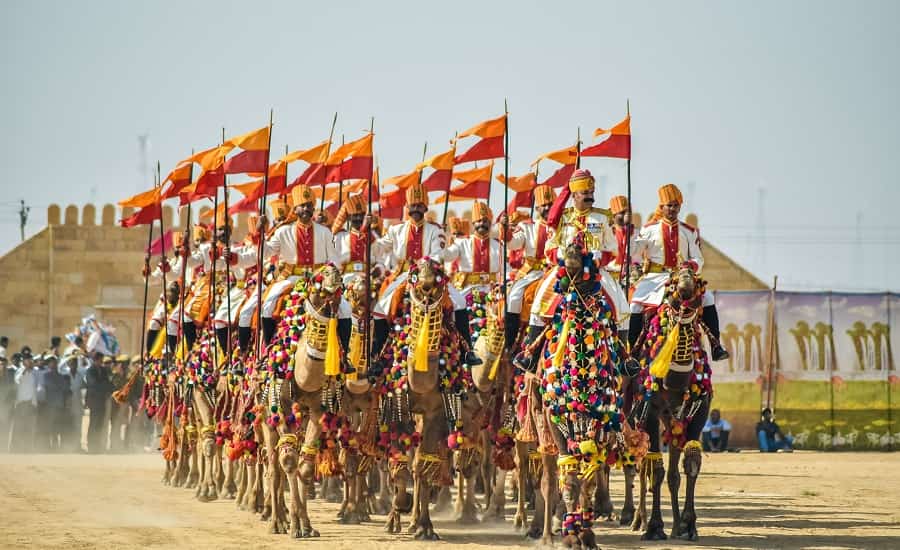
column 673, row 386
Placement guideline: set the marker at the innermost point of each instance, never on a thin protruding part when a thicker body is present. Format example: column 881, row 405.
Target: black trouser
column 720, row 443
column 97, row 427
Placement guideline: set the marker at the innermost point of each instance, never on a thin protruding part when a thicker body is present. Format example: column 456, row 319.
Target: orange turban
column 581, row 180
column 279, row 208
column 353, row 204
column 416, row 194
column 543, row 194
column 177, row 238
column 618, row 204
column 670, row 193
column 200, row 233
column 480, row 210
column 222, row 219
column 453, row 225
column 302, row 194
column 252, row 221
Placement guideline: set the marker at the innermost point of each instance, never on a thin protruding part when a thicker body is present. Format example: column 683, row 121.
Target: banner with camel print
column 833, row 383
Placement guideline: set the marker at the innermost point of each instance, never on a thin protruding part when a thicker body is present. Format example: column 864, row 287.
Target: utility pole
column 23, row 218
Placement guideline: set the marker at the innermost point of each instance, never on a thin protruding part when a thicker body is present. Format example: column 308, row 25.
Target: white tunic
column 650, row 244
column 284, row 243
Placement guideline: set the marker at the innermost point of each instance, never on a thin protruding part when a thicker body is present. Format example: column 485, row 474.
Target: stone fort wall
column 80, row 265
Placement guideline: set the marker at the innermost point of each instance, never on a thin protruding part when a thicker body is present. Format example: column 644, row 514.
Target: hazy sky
column 779, row 120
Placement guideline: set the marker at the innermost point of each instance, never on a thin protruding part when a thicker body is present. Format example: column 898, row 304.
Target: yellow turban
column 618, row 204
column 543, row 194
column 279, row 208
column 480, row 210
column 302, row 194
column 416, row 194
column 670, row 193
column 581, row 180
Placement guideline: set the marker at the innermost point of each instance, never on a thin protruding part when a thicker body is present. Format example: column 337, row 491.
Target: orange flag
column 476, row 184
column 442, row 163
column 352, row 160
column 491, row 145
column 179, row 178
column 520, row 183
column 617, row 145
column 405, row 180
column 567, row 155
column 142, row 200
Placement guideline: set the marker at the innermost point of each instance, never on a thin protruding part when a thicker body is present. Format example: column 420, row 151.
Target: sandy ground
column 746, row 500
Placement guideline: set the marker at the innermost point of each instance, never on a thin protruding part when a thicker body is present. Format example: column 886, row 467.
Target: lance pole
column 162, row 236
column 262, row 244
column 505, row 227
column 327, row 153
column 227, row 248
column 628, row 227
column 449, row 182
column 368, row 273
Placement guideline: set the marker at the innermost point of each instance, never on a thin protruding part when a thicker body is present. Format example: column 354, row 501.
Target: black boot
column 151, row 337
column 243, row 338
column 268, row 330
column 461, row 316
column 511, row 323
column 380, row 330
column 529, row 360
column 344, row 326
column 190, row 333
column 222, row 338
column 711, row 320
column 171, row 342
column 631, row 367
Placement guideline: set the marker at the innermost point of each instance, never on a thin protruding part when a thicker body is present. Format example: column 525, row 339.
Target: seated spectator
column 769, row 435
column 715, row 433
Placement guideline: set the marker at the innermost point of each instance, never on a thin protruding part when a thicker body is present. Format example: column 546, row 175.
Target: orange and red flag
column 442, row 164
column 617, row 145
column 568, row 157
column 490, row 146
column 352, row 160
column 254, row 152
column 476, row 184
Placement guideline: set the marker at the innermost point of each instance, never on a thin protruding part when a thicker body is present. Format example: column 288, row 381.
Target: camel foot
column 350, row 517
column 571, row 541
column 266, row 513
column 381, row 507
column 627, row 515
column 444, row 500
column 588, row 540
column 426, row 532
column 535, row 533
column 654, row 532
column 518, row 521
column 688, row 530
column 468, row 516
column 309, row 533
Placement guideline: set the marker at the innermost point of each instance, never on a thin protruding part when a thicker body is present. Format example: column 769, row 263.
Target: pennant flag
column 179, row 178
column 350, row 161
column 316, row 157
column 521, row 183
column 617, row 145
column 568, row 157
column 491, row 133
column 204, row 187
column 157, row 246
column 476, row 184
column 254, row 154
column 442, row 164
column 522, row 199
column 405, row 180
column 337, row 192
column 142, row 200
column 143, row 216
column 252, row 191
column 210, row 158
column 392, row 204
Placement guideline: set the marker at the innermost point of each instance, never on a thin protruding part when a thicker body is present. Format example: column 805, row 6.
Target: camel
column 426, row 377
column 673, row 386
column 579, row 419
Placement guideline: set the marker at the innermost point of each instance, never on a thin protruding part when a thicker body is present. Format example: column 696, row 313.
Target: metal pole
column 505, row 257
column 262, row 243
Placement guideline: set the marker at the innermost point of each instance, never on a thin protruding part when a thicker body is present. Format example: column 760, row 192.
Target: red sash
column 481, row 255
column 414, row 237
column 670, row 242
column 304, row 236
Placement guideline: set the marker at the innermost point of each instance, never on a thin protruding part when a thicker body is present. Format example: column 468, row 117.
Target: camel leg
column 241, row 477
column 230, row 485
column 673, row 477
column 640, row 519
column 468, row 513
column 627, row 514
column 192, row 468
column 307, row 473
column 201, row 480
column 603, row 505
column 414, row 513
column 219, row 469
column 588, row 493
column 210, row 492
column 548, row 490
column 350, row 508
column 288, row 462
column 383, row 501
column 522, row 464
column 397, row 481
column 693, row 458
column 258, row 496
column 497, row 503
column 182, row 462
column 655, row 527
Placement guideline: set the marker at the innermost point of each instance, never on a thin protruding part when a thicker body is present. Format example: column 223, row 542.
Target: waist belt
column 653, row 267
column 474, row 278
column 299, row 270
column 354, row 267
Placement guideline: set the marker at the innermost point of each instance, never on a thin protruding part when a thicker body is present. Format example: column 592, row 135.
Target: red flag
column 392, row 204
column 157, row 246
column 560, row 178
column 617, row 145
column 204, row 187
column 476, row 184
column 143, row 216
column 255, row 152
column 351, row 161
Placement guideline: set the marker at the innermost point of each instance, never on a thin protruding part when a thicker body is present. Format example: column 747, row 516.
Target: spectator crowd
column 45, row 399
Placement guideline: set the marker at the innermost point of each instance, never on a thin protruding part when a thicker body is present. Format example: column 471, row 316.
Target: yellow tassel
column 659, row 368
column 355, row 350
column 421, row 356
column 493, row 373
column 156, row 350
column 561, row 344
column 332, row 352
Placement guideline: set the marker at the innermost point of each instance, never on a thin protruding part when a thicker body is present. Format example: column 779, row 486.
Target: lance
column 212, row 277
column 537, row 167
column 327, row 153
column 628, row 226
column 183, row 289
column 505, row 203
column 449, row 182
column 162, row 233
column 262, row 243
column 146, row 290
column 340, row 188
column 368, row 272
column 228, row 230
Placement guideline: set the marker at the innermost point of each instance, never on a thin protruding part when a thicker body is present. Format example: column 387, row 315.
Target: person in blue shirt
column 715, row 433
column 769, row 435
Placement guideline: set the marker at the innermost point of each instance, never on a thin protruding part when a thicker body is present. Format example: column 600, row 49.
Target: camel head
column 326, row 287
column 573, row 258
column 427, row 279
